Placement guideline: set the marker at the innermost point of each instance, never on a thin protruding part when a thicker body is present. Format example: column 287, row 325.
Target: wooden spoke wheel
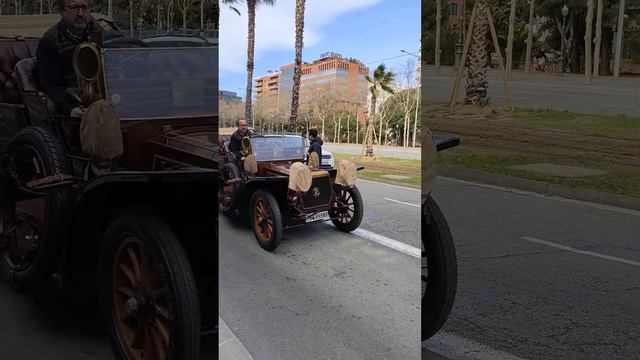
column 348, row 209
column 266, row 220
column 147, row 291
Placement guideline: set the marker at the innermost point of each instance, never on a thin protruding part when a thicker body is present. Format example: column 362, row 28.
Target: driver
column 55, row 52
column 235, row 143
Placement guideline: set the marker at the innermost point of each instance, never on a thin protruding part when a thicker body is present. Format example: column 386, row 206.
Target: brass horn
column 246, row 146
column 87, row 65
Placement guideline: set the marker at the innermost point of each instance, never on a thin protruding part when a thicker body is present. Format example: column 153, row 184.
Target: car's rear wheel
column 32, row 250
column 439, row 269
column 348, row 208
column 228, row 192
column 266, row 220
column 147, row 291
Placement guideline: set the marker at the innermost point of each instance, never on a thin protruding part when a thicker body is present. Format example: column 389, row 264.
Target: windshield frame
column 274, row 157
column 103, row 76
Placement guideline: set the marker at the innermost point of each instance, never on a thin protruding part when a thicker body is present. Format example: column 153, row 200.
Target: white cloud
column 275, row 27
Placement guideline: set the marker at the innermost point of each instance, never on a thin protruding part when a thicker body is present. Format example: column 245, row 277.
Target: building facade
column 228, row 96
column 344, row 79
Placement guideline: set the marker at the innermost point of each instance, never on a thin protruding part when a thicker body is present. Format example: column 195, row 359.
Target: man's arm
column 49, row 69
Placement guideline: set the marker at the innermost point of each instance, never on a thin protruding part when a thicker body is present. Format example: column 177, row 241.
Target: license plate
column 323, row 215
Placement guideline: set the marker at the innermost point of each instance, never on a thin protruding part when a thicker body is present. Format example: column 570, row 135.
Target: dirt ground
column 493, row 130
column 494, row 140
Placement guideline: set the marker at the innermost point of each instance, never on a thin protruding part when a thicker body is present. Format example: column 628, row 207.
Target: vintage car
column 138, row 237
column 439, row 266
column 269, row 193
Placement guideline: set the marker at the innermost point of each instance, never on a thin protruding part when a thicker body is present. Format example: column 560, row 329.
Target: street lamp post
column 565, row 12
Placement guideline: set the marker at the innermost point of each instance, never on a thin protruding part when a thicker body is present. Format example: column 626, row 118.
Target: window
column 453, row 9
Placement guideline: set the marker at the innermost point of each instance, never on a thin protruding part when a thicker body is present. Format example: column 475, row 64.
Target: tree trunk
column 251, row 39
column 297, row 66
column 201, row 14
column 598, row 44
column 512, row 19
column 184, row 16
column 588, row 41
column 438, row 26
column 476, row 84
column 131, row 18
column 41, row 6
column 607, row 44
column 619, row 33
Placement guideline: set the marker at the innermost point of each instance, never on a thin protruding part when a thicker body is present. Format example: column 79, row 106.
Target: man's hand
column 77, row 112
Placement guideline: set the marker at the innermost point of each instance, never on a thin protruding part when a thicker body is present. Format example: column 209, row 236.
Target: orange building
column 343, row 78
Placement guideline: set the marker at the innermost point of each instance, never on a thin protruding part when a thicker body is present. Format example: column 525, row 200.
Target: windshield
column 277, row 148
column 145, row 83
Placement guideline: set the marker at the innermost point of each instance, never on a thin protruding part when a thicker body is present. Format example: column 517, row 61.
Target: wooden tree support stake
column 467, row 42
column 499, row 55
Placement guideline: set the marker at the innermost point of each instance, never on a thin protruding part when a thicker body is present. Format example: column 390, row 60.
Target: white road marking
column 578, row 251
column 402, row 202
column 551, row 197
column 456, row 347
column 392, row 185
column 388, row 242
column 229, row 347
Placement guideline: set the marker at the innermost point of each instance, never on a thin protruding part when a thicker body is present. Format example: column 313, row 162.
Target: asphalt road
column 42, row 326
column 324, row 294
column 385, row 151
column 539, row 278
column 570, row 93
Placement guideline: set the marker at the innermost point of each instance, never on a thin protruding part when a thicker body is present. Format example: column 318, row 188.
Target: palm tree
column 297, row 67
column 251, row 40
column 476, row 86
column 381, row 81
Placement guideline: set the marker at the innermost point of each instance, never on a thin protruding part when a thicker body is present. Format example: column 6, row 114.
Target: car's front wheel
column 348, row 208
column 147, row 291
column 439, row 269
column 266, row 220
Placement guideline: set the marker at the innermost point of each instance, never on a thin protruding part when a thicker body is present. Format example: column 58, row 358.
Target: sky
column 372, row 31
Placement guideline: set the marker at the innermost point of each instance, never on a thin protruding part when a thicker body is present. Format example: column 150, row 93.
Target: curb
column 541, row 187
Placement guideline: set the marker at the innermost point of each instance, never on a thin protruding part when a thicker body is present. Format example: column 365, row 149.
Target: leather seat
column 11, row 51
column 25, row 78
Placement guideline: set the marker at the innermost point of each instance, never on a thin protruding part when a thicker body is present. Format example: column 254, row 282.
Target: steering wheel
column 124, row 42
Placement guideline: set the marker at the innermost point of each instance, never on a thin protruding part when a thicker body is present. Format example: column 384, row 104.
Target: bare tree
column 183, row 7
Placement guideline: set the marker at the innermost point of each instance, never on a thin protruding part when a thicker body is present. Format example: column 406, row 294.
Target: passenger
column 315, row 147
column 235, row 143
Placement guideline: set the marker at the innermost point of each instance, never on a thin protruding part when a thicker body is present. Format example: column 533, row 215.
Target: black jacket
column 54, row 63
column 315, row 145
column 235, row 143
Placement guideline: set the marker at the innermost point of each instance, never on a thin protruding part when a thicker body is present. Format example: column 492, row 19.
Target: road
column 324, row 294
column 605, row 96
column 43, row 326
column 385, row 151
column 539, row 278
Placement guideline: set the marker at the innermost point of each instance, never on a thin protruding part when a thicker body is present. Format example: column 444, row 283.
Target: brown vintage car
column 271, row 194
column 140, row 238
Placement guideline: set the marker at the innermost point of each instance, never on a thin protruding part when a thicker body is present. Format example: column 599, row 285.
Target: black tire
column 349, row 215
column 170, row 280
column 267, row 220
column 228, row 171
column 43, row 256
column 439, row 258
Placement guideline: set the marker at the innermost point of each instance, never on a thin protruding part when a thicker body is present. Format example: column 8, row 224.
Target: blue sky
column 369, row 30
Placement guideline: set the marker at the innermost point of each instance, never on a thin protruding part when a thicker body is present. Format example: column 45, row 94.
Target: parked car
column 139, row 238
column 266, row 195
column 439, row 266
